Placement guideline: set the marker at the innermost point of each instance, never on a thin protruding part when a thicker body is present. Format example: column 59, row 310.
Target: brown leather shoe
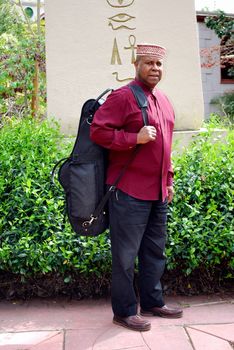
column 164, row 311
column 135, row 323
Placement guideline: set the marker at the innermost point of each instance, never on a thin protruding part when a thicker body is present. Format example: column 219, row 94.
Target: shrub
column 34, row 237
column 201, row 232
column 225, row 104
column 22, row 62
column 37, row 245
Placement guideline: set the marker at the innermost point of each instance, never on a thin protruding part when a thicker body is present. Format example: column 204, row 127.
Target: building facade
column 214, row 82
column 91, row 47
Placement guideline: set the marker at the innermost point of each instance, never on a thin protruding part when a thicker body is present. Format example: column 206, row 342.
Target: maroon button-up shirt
column 115, row 126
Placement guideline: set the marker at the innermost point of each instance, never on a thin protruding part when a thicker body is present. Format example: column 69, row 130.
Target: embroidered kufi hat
column 151, row 50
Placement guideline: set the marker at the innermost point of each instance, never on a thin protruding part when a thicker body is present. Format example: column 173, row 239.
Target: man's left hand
column 170, row 193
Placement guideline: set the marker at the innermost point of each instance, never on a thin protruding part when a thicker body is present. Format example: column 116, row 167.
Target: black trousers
column 137, row 228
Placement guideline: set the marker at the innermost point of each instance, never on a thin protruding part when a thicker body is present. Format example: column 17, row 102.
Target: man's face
column 149, row 70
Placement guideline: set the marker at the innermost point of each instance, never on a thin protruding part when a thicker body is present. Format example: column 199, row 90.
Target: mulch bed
column 80, row 287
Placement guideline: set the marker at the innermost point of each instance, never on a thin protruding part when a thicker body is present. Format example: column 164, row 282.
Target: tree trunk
column 38, row 17
column 35, row 95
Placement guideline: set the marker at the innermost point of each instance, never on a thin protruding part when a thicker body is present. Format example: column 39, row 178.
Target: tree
column 22, row 62
column 10, row 21
column 223, row 55
column 221, row 24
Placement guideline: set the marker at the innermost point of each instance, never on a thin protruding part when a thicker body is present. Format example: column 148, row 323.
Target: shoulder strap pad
column 141, row 101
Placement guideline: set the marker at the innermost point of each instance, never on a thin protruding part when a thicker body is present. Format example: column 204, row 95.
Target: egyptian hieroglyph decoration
column 91, row 46
column 121, row 20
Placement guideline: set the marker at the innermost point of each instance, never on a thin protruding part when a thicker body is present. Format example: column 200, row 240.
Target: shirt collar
column 144, row 87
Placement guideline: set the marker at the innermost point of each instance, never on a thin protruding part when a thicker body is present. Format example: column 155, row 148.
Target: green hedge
column 201, row 231
column 36, row 243
column 34, row 238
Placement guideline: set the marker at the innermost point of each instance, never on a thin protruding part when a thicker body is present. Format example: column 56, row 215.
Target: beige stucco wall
column 80, row 44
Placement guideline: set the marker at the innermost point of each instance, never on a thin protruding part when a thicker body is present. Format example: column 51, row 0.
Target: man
column 138, row 208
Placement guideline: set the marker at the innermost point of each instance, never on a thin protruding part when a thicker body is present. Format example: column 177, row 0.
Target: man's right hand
column 146, row 134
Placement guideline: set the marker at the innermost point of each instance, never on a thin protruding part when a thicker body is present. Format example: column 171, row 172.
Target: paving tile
column 210, row 313
column 28, row 340
column 68, row 315
column 204, row 314
column 204, row 341
column 199, row 299
column 112, row 338
column 224, row 331
column 54, row 343
column 14, row 347
column 137, row 348
column 167, row 338
column 82, row 339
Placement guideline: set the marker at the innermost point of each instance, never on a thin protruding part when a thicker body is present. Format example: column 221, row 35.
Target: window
column 29, row 12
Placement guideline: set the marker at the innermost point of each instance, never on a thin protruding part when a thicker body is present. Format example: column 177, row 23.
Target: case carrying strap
column 143, row 104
